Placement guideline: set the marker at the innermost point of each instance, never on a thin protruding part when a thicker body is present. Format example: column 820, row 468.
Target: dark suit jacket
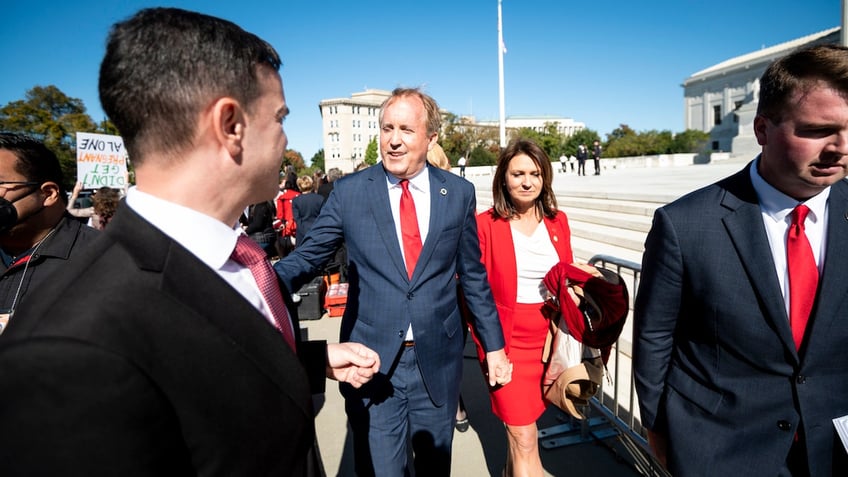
column 140, row 360
column 715, row 364
column 382, row 300
column 305, row 209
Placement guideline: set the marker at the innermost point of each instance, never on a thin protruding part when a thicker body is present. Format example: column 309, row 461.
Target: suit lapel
column 438, row 214
column 754, row 251
column 213, row 301
column 381, row 210
column 833, row 288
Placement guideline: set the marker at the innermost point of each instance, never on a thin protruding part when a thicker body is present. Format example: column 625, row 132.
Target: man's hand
column 659, row 444
column 351, row 363
column 500, row 369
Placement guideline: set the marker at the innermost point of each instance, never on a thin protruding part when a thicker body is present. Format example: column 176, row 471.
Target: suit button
column 784, row 425
column 801, row 379
column 410, row 296
column 400, row 334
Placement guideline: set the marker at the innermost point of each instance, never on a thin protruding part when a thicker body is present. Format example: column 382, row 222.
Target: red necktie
column 409, row 228
column 251, row 255
column 803, row 274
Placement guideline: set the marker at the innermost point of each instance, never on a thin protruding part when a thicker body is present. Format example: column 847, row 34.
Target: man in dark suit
column 156, row 351
column 406, row 311
column 332, row 176
column 596, row 156
column 582, row 154
column 738, row 371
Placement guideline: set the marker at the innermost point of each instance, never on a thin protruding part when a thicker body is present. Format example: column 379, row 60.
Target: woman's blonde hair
column 304, row 183
column 437, row 157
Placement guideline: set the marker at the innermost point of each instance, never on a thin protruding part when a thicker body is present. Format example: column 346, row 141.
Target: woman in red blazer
column 521, row 238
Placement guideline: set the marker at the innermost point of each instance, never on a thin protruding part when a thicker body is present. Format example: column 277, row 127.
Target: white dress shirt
column 207, row 238
column 776, row 208
column 419, row 188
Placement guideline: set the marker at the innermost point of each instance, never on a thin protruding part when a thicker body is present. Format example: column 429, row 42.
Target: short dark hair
column 546, row 203
column 35, row 161
column 165, row 65
column 800, row 71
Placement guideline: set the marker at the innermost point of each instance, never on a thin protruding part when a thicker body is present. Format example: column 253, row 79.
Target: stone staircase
column 604, row 223
column 609, row 226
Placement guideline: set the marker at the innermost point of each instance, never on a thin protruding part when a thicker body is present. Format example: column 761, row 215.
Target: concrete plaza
column 481, row 450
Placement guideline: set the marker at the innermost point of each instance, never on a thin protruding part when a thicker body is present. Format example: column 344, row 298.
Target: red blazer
column 498, row 256
column 285, row 216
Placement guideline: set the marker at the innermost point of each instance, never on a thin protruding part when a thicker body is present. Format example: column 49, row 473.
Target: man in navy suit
column 157, row 351
column 412, row 322
column 733, row 378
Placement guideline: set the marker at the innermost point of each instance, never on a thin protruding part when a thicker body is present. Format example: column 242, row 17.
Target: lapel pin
column 443, row 191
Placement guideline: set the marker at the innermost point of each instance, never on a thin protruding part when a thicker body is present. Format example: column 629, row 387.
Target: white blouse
column 534, row 257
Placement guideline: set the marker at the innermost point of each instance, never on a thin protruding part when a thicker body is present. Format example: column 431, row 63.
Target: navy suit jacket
column 714, row 359
column 305, row 209
column 140, row 360
column 382, row 300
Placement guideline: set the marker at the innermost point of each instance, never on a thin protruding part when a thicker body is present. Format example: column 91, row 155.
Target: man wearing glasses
column 37, row 236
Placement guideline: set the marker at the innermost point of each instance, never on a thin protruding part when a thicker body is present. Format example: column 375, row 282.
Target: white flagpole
column 842, row 33
column 501, row 77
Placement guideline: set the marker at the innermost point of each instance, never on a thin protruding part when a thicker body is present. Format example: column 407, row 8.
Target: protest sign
column 101, row 161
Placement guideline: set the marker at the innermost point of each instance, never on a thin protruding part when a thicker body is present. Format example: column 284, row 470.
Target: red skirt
column 520, row 402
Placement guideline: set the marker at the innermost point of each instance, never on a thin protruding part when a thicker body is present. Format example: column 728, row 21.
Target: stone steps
column 608, row 223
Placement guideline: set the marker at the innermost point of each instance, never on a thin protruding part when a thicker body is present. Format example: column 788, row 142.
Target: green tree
column 317, row 160
column 480, row 156
column 690, row 140
column 106, row 127
column 371, row 152
column 455, row 137
column 655, row 142
column 583, row 136
column 295, row 159
column 550, row 139
column 51, row 116
column 622, row 141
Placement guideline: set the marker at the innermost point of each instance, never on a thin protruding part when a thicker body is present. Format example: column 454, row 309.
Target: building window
column 715, row 145
column 716, row 115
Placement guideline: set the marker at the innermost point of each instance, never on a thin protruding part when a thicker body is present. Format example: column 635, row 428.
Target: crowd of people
column 160, row 339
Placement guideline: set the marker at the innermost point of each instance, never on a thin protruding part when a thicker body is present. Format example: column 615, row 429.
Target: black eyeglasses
column 6, row 186
column 29, row 183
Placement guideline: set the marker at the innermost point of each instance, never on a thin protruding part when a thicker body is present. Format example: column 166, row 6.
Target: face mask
column 9, row 215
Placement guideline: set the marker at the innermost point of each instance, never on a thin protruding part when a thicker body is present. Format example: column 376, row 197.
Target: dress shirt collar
column 209, row 239
column 420, row 181
column 778, row 205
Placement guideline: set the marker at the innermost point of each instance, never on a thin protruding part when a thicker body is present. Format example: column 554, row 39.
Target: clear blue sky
column 603, row 63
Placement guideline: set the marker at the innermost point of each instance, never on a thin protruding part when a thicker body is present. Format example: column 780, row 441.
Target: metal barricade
column 616, row 408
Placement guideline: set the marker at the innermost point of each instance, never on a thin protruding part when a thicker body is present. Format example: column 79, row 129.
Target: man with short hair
column 332, row 175
column 582, row 154
column 741, row 320
column 596, row 156
column 168, row 347
column 411, row 233
column 37, row 236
